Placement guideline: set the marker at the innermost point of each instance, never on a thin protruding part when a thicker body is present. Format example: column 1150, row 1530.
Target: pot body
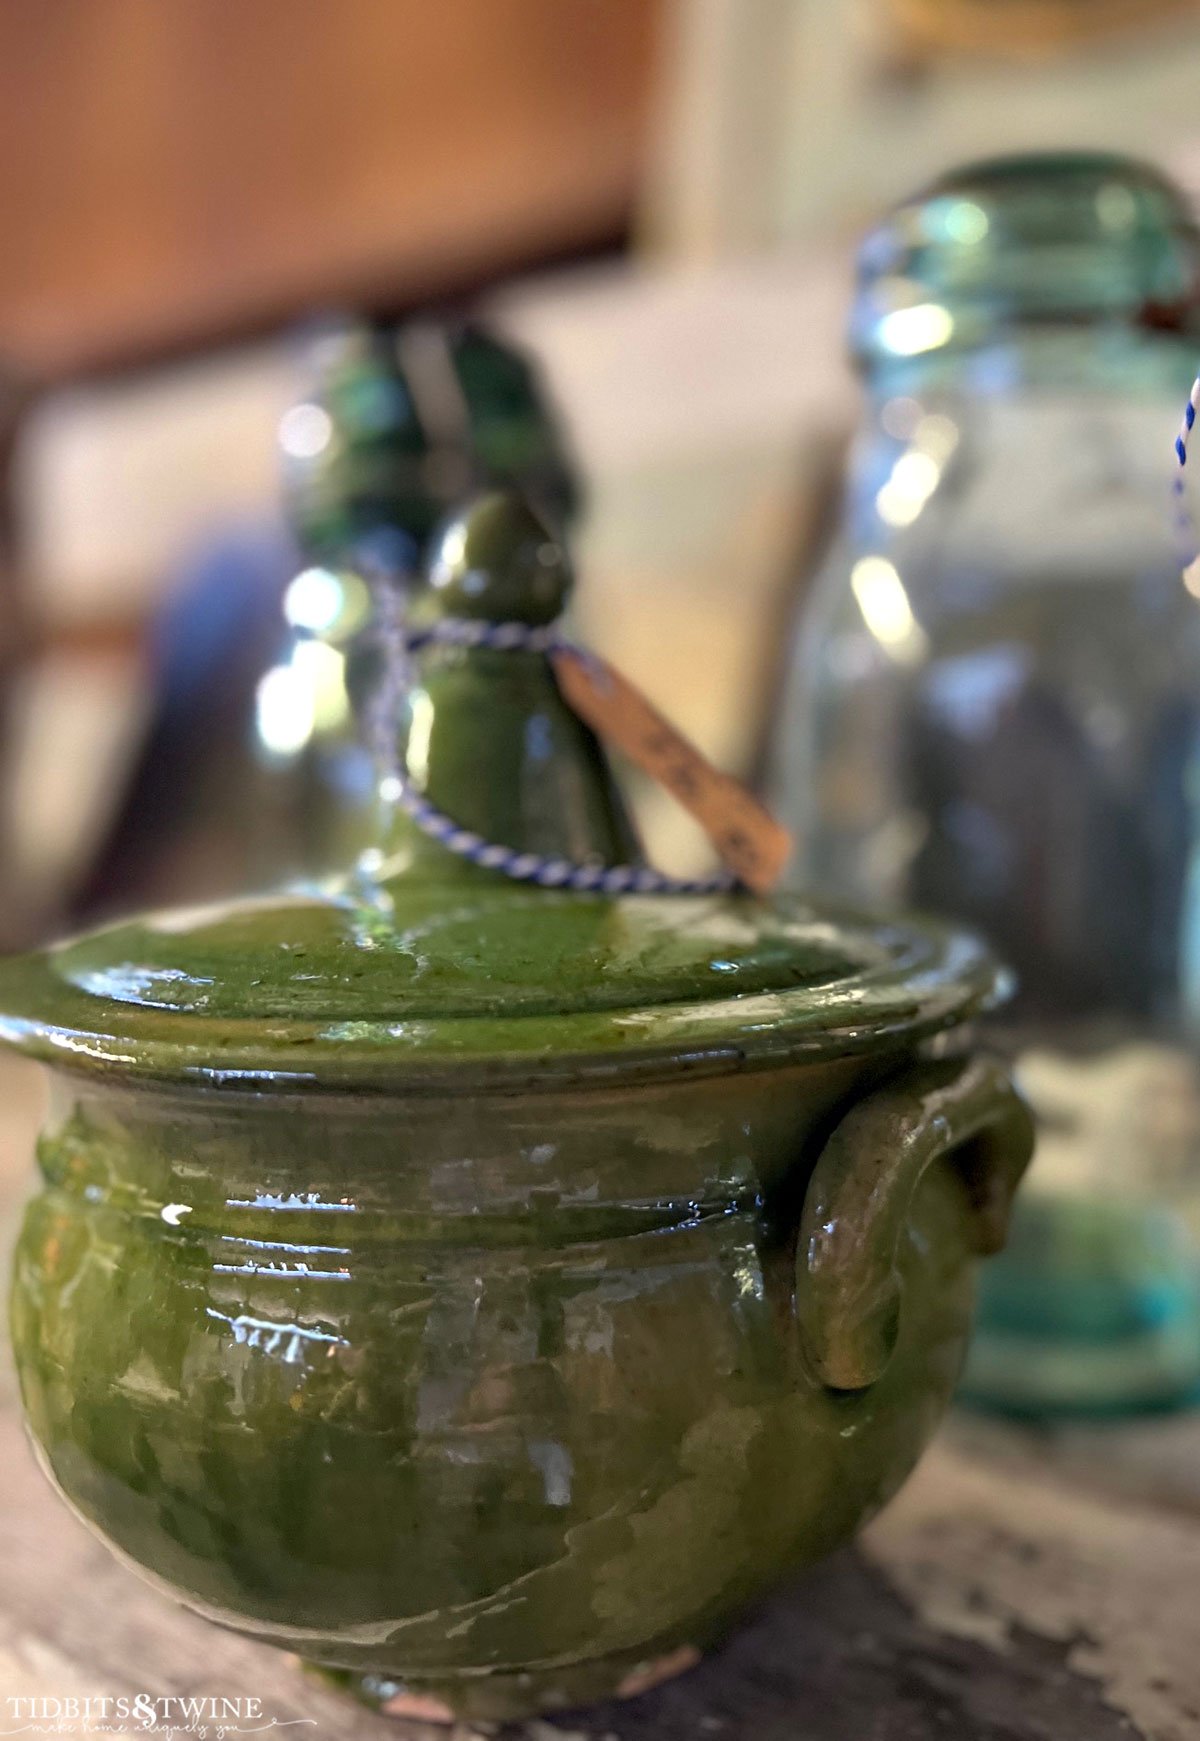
column 494, row 1395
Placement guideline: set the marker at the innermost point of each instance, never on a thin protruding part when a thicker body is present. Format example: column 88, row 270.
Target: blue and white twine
column 499, row 637
column 398, row 643
column 1185, row 525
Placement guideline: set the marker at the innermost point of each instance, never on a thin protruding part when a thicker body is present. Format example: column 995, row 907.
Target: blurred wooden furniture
column 175, row 172
column 1010, row 29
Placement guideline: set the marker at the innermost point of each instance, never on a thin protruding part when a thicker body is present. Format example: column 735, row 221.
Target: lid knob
column 487, row 737
column 498, row 560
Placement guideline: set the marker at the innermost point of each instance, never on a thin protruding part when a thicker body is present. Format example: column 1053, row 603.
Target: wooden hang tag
column 751, row 843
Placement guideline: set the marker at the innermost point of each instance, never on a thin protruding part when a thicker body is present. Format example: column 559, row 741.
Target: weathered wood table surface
column 1022, row 1588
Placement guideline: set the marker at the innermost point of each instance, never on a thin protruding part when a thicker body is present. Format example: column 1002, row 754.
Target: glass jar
column 993, row 709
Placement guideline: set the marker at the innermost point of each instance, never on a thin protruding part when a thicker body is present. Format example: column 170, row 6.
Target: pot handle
column 858, row 1200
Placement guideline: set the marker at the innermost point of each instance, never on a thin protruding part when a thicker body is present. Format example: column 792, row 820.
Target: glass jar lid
column 1059, row 237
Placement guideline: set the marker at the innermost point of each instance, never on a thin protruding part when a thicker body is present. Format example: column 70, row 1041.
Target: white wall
column 784, row 119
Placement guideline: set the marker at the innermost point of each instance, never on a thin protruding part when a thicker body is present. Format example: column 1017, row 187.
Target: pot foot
column 389, row 1698
column 508, row 1697
column 657, row 1673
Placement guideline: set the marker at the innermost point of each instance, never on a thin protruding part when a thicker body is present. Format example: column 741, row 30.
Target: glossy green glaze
column 487, row 1291
column 488, row 731
column 499, row 986
column 468, row 1388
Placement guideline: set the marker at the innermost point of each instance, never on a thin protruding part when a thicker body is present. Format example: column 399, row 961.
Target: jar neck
column 1058, row 437
column 1100, row 358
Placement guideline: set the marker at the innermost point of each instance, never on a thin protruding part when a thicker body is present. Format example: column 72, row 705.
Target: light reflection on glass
column 313, row 600
column 907, row 332
column 885, row 609
column 419, row 729
column 937, row 436
column 296, row 699
column 453, row 549
column 284, row 710
column 967, row 222
column 914, row 478
column 305, row 431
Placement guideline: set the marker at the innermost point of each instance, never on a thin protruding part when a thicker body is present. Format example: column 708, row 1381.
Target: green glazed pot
column 490, row 1292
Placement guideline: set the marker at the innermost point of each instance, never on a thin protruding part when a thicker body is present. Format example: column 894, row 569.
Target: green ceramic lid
column 418, row 968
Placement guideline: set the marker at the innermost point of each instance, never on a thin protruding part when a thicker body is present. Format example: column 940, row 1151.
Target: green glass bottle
column 994, row 710
column 397, row 425
column 394, row 427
